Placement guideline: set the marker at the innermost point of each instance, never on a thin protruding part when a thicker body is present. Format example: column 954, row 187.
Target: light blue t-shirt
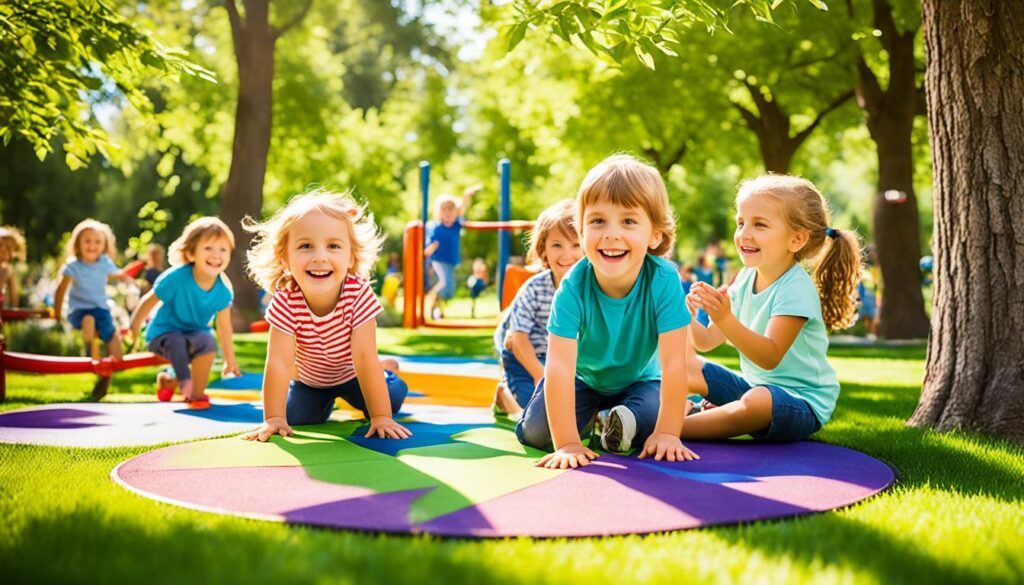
column 804, row 371
column 618, row 338
column 89, row 289
column 186, row 307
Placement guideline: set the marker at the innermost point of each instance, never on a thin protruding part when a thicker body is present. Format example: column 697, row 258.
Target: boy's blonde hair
column 12, row 237
column 267, row 255
column 443, row 200
column 195, row 233
column 835, row 258
column 561, row 217
column 624, row 180
column 73, row 248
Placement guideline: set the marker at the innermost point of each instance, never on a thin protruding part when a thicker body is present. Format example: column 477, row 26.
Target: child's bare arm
column 766, row 351
column 467, row 198
column 664, row 442
column 560, row 402
column 226, row 336
column 430, row 249
column 523, row 350
column 371, row 381
column 142, row 310
column 276, row 374
column 58, row 297
column 703, row 338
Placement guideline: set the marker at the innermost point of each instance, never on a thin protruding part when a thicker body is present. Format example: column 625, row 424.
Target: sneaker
column 619, row 430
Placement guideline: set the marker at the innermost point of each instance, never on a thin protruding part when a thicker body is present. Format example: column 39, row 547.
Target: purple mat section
column 125, row 425
column 738, row 481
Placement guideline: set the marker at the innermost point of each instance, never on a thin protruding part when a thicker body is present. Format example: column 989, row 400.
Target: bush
column 42, row 337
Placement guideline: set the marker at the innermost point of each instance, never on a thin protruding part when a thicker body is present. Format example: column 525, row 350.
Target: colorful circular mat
column 463, row 475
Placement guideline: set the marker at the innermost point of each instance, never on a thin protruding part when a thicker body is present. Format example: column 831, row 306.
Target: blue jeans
column 181, row 348
column 792, row 418
column 518, row 380
column 641, row 398
column 104, row 321
column 445, row 279
column 308, row 405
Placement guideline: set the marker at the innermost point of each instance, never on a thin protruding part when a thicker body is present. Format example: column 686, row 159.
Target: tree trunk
column 975, row 80
column 243, row 194
column 897, row 232
column 890, row 115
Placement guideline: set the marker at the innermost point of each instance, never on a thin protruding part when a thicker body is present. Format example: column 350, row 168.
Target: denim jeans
column 641, row 398
column 518, row 380
column 308, row 405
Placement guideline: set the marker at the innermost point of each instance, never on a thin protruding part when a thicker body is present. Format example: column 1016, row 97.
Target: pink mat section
column 737, row 481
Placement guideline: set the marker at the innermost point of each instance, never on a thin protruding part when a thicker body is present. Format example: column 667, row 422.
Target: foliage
column 59, row 58
column 42, row 337
column 616, row 29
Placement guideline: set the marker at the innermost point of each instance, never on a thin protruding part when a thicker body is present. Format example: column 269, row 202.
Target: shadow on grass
column 830, row 540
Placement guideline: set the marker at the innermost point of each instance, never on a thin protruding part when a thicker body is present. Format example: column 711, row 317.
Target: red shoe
column 165, row 385
column 200, row 403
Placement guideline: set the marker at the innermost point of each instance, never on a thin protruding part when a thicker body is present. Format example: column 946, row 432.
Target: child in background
column 686, row 277
column 154, row 264
column 84, row 280
column 12, row 249
column 522, row 337
column 477, row 282
column 193, row 292
column 392, row 280
column 316, row 255
column 776, row 315
column 444, row 246
column 617, row 327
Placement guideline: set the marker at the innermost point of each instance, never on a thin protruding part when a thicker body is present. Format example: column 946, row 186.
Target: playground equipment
column 44, row 364
column 510, row 278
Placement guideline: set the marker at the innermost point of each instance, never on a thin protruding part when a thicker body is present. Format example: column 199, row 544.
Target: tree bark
column 975, row 84
column 890, row 115
column 254, row 40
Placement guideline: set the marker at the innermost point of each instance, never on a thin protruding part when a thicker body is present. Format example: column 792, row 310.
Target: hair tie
column 831, row 232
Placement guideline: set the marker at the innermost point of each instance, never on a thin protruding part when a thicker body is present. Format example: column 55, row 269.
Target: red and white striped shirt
column 323, row 345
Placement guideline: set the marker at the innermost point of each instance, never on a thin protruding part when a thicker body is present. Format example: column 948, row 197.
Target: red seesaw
column 46, row 364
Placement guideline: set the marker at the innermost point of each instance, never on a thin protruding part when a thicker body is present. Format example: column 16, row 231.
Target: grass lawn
column 955, row 515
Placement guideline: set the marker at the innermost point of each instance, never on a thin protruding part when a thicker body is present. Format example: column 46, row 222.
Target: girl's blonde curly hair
column 74, row 248
column 560, row 217
column 267, row 259
column 12, row 237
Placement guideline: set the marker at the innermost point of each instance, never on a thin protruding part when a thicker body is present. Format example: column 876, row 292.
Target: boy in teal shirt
column 617, row 327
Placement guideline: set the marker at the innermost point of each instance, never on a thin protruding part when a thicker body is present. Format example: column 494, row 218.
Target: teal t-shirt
column 804, row 371
column 186, row 307
column 617, row 339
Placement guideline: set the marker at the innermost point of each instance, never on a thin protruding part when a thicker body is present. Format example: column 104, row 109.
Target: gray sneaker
column 619, row 430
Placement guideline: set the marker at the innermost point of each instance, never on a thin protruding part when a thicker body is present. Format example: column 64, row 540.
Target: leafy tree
column 60, row 57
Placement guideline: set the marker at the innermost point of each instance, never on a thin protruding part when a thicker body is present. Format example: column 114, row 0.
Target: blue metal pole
column 425, row 212
column 505, row 214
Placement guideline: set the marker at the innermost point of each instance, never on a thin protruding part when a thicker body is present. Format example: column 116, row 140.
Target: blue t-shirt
column 618, row 338
column 529, row 313
column 186, row 307
column 89, row 289
column 448, row 241
column 804, row 371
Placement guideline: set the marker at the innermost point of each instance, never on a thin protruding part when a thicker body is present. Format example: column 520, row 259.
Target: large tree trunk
column 975, row 84
column 890, row 114
column 243, row 195
column 254, row 40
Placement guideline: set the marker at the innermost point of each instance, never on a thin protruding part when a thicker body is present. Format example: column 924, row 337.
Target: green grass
column 955, row 515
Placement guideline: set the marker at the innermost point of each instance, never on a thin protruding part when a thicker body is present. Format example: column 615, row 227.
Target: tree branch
column 294, row 20
column 839, row 101
column 869, row 92
column 236, row 24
